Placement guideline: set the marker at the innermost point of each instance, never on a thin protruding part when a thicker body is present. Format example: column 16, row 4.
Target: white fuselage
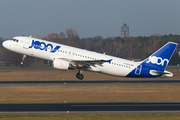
column 117, row 67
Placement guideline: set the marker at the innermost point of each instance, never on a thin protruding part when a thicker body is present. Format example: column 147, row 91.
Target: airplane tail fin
column 161, row 57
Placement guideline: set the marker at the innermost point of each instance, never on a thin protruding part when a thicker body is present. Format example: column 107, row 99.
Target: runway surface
column 87, row 107
column 89, row 82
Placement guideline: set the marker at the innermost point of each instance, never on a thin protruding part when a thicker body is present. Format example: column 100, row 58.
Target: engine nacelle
column 60, row 64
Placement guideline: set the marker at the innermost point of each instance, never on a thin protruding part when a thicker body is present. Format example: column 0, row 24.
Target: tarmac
column 90, row 82
column 88, row 108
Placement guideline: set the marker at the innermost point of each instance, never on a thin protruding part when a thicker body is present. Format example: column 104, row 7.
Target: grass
column 93, row 117
column 82, row 93
column 89, row 93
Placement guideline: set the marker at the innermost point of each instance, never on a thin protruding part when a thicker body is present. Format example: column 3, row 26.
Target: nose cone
column 6, row 44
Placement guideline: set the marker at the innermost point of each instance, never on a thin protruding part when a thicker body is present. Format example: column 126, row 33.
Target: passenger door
column 26, row 43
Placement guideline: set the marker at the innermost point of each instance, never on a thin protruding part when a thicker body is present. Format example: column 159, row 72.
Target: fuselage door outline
column 26, row 43
column 138, row 70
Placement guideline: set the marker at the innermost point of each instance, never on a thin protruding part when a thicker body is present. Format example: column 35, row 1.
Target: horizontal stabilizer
column 163, row 74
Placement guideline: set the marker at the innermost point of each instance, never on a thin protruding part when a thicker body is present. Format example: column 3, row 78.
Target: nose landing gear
column 22, row 62
column 79, row 75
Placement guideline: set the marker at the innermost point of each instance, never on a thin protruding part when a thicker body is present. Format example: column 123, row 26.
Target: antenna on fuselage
column 30, row 36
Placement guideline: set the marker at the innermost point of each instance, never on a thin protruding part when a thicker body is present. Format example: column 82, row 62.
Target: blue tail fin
column 160, row 58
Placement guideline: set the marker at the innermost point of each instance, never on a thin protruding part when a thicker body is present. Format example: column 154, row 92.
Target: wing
column 86, row 63
column 90, row 63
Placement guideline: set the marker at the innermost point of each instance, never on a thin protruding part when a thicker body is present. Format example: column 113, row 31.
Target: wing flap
column 89, row 63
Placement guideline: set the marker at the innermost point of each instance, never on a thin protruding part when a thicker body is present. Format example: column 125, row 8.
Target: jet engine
column 60, row 64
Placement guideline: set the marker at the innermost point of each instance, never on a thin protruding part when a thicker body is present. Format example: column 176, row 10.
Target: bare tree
column 16, row 59
column 53, row 37
column 12, row 58
column 72, row 34
column 115, row 49
column 62, row 36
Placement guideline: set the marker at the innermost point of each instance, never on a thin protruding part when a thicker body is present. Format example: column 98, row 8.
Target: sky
column 89, row 17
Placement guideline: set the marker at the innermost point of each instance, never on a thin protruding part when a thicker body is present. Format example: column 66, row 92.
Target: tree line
column 132, row 48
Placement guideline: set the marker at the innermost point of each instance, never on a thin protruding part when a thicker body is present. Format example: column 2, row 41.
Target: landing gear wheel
column 79, row 76
column 22, row 63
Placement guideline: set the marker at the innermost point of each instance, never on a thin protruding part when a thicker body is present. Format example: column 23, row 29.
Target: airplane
column 65, row 57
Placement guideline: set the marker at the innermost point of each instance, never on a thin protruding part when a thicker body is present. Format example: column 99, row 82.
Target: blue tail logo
column 157, row 60
column 161, row 58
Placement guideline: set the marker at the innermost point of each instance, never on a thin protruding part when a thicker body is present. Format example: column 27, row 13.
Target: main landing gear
column 79, row 75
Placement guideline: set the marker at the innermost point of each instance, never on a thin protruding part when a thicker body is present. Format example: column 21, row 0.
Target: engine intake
column 60, row 64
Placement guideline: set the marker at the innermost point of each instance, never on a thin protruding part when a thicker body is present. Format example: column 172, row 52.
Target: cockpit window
column 16, row 40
